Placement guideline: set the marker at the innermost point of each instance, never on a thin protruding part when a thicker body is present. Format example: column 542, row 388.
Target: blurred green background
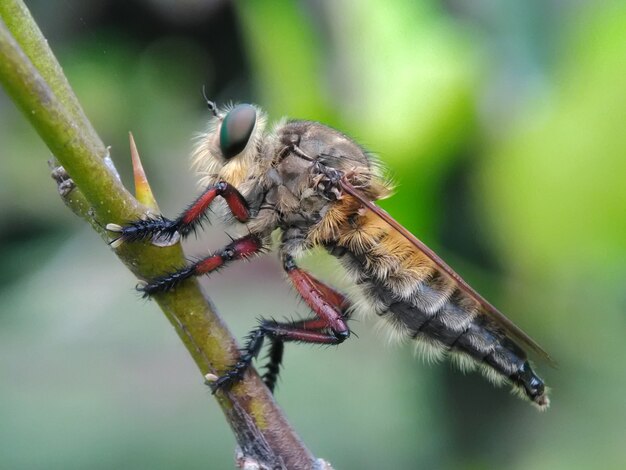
column 503, row 124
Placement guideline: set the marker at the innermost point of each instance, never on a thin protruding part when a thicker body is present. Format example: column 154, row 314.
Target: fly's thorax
column 329, row 148
column 311, row 160
column 300, row 152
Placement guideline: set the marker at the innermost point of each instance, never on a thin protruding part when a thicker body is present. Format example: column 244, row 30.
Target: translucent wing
column 493, row 312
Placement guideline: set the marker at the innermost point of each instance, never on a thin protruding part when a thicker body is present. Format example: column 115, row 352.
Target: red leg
column 241, row 248
column 333, row 297
column 327, row 303
column 290, row 332
column 236, row 203
column 188, row 221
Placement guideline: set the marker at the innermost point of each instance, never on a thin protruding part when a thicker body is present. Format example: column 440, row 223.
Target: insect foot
column 159, row 229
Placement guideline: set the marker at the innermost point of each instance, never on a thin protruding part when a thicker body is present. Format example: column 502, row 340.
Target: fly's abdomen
column 460, row 328
column 426, row 305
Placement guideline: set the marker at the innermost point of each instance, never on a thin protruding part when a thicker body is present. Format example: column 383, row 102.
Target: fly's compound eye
column 236, row 130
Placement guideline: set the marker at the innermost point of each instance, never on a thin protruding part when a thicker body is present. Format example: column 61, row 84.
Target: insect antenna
column 211, row 104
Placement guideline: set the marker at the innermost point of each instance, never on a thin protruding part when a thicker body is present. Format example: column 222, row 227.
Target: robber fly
column 317, row 187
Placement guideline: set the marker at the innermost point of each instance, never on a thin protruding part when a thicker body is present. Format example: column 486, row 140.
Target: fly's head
column 230, row 146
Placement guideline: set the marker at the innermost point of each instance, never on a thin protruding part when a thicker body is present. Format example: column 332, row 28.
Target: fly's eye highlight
column 236, row 130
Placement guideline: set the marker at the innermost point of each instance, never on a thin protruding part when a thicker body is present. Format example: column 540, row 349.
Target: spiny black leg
column 275, row 356
column 312, row 331
column 249, row 352
column 165, row 283
column 143, row 229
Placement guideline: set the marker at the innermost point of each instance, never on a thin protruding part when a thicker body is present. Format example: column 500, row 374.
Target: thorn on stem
column 143, row 192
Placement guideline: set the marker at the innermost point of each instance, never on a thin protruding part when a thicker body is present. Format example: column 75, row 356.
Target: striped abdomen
column 400, row 284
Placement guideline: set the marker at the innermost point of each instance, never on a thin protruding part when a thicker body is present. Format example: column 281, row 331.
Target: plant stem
column 33, row 78
column 31, row 40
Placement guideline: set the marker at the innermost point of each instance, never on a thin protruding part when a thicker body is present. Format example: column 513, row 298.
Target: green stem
column 34, row 80
column 28, row 35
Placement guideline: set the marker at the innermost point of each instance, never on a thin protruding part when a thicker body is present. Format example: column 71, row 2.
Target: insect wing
column 493, row 312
